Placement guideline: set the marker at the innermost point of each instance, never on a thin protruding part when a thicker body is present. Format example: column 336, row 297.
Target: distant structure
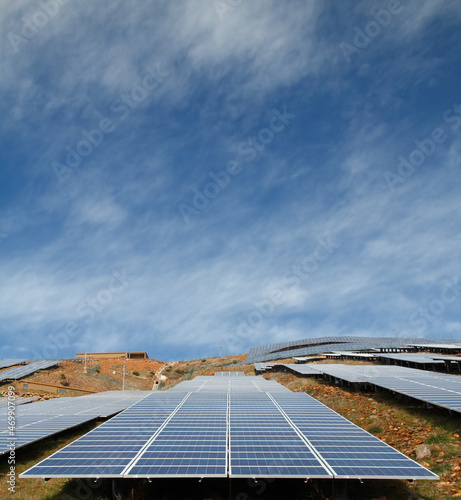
column 319, row 345
column 113, row 355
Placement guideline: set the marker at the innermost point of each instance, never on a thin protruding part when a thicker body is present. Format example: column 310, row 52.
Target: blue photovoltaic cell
column 22, row 371
column 44, row 418
column 435, row 388
column 431, row 387
column 263, row 443
column 109, row 449
column 193, row 443
column 347, row 449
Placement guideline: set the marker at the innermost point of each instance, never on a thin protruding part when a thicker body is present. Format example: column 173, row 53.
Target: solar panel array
column 417, row 359
column 421, row 359
column 229, row 374
column 228, row 426
column 350, row 354
column 44, row 418
column 304, row 347
column 434, row 388
column 22, row 371
column 5, row 363
column 17, row 401
column 301, row 369
column 348, row 450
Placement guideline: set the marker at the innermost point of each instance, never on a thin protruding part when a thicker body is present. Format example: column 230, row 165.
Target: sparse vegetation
column 375, row 429
column 136, row 373
column 437, row 439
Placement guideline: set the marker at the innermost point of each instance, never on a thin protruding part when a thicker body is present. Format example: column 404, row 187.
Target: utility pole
column 123, row 384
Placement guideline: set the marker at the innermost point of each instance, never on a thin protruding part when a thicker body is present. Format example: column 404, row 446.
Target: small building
column 32, row 385
column 113, row 355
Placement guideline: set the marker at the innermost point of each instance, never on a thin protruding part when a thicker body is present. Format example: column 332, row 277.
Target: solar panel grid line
column 129, row 438
column 202, row 386
column 406, row 468
column 141, row 451
column 257, row 387
column 429, row 385
column 33, row 425
column 407, row 391
column 197, row 433
column 36, row 431
column 303, row 437
column 257, row 424
column 228, row 437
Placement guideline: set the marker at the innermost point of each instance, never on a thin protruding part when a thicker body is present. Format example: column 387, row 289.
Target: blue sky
column 180, row 177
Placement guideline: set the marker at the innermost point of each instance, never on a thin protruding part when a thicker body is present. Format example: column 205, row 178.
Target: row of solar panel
column 229, row 374
column 430, row 387
column 44, row 418
column 22, row 371
column 327, row 344
column 240, row 427
column 5, row 363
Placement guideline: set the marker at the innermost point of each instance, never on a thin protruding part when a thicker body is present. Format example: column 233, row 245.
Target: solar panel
column 229, row 374
column 107, row 450
column 422, row 359
column 328, row 344
column 22, row 371
column 348, row 450
column 236, row 427
column 297, row 368
column 5, row 363
column 192, row 443
column 29, row 430
column 17, row 400
column 263, row 443
column 338, row 372
column 44, row 418
column 430, row 387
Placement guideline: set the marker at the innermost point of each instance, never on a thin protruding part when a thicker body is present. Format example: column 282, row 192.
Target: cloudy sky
column 196, row 177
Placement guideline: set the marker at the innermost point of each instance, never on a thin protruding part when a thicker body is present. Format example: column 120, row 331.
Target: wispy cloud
column 193, row 285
